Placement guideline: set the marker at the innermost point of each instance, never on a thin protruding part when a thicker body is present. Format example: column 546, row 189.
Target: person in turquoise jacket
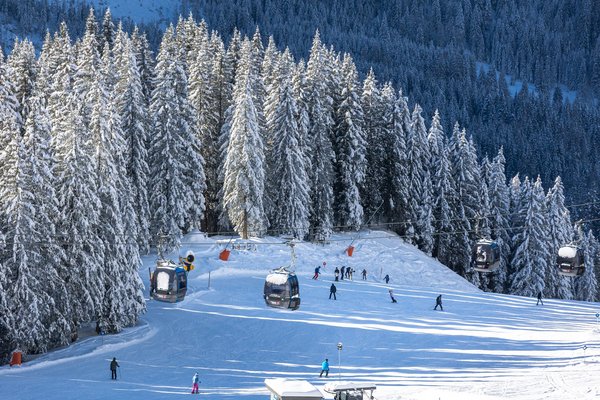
column 195, row 382
column 325, row 368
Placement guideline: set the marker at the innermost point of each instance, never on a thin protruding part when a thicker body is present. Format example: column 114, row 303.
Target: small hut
column 292, row 389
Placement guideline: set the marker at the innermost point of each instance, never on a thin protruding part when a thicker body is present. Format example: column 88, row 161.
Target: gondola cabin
column 168, row 282
column 486, row 256
column 282, row 289
column 570, row 261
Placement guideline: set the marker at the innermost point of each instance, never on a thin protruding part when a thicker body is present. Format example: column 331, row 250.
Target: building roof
column 293, row 388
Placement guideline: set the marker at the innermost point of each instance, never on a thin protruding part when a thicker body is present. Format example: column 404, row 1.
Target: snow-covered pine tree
column 586, row 285
column 280, row 71
column 302, row 118
column 116, row 210
column 421, row 192
column 291, row 200
column 88, row 60
column 201, row 97
column 399, row 123
column 47, row 259
column 9, row 143
column 23, row 71
column 244, row 175
column 7, row 344
column 375, row 135
column 499, row 219
column 134, row 119
column 176, row 170
column 560, row 233
column 145, row 62
column 466, row 192
column 108, row 31
column 79, row 212
column 323, row 156
column 350, row 147
column 37, row 317
column 442, row 188
column 530, row 259
column 194, row 179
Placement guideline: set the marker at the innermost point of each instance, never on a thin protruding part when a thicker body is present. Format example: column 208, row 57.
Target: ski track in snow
column 484, row 346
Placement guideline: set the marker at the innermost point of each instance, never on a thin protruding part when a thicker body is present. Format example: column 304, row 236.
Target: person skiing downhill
column 325, row 368
column 539, row 299
column 386, row 278
column 317, row 272
column 438, row 302
column 392, row 296
column 195, row 382
column 113, row 368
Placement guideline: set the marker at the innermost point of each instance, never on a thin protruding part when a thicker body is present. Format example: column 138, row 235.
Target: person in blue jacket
column 325, row 368
column 195, row 382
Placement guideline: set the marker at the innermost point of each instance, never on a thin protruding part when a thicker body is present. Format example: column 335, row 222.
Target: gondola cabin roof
column 567, row 252
column 293, row 389
column 278, row 278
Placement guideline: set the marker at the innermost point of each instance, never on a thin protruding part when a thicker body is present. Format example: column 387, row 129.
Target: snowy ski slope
column 483, row 346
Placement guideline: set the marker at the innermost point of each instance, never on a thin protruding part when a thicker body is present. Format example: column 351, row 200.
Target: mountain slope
column 483, row 346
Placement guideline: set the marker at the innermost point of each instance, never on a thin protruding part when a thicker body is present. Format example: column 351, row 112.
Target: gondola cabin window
column 162, row 280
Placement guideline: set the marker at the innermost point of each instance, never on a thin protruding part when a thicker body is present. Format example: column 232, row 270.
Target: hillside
column 483, row 346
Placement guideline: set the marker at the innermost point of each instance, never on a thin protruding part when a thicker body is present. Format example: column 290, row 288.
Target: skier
column 438, row 302
column 343, row 272
column 337, row 273
column 332, row 291
column 113, row 368
column 392, row 295
column 317, row 272
column 364, row 274
column 386, row 278
column 324, row 368
column 349, row 271
column 195, row 382
column 539, row 297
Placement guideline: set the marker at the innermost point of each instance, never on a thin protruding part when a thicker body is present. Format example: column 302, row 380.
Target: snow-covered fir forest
column 446, row 55
column 109, row 151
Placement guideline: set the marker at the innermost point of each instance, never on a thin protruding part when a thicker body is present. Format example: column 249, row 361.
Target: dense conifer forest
column 108, row 145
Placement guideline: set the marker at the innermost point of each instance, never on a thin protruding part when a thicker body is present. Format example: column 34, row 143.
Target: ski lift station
column 351, row 390
column 292, row 389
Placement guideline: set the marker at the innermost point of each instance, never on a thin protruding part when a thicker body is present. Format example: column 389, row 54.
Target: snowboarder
column 438, row 302
column 195, row 382
column 392, row 296
column 324, row 368
column 337, row 273
column 539, row 297
column 332, row 291
column 386, row 278
column 343, row 271
column 113, row 368
column 317, row 272
column 364, row 274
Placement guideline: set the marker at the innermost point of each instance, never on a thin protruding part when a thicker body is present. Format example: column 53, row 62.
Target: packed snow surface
column 482, row 346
